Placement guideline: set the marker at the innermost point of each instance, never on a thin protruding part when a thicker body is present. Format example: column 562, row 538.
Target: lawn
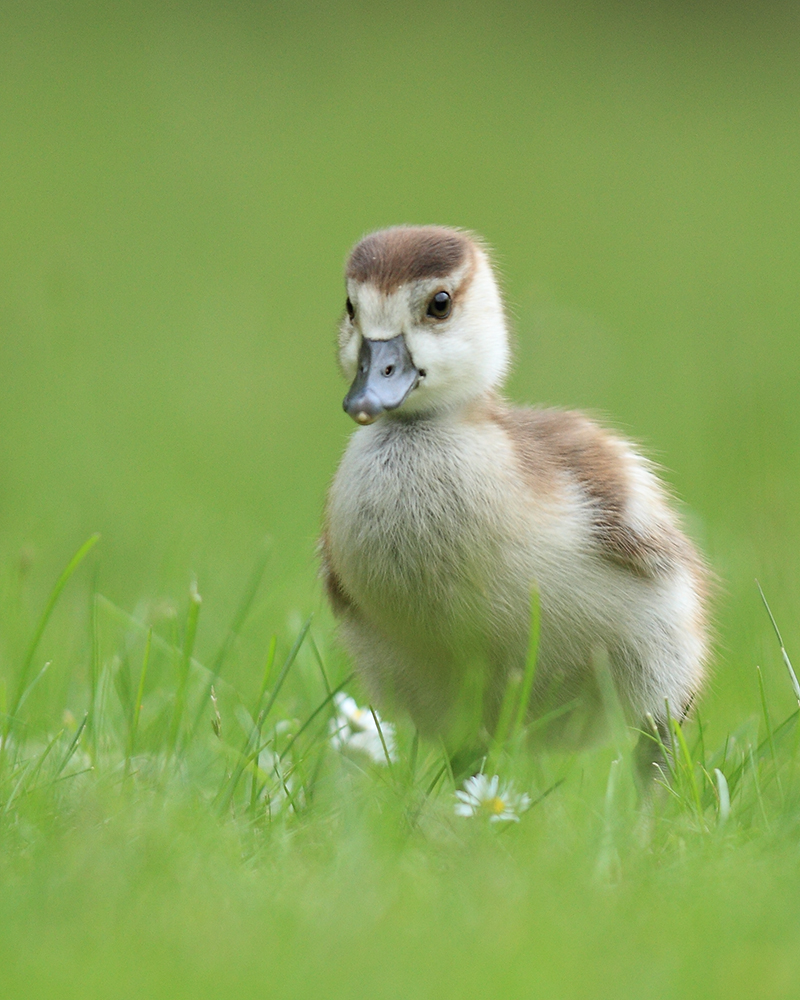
column 179, row 188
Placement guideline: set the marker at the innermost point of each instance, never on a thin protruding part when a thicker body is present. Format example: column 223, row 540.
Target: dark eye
column 440, row 305
column 350, row 310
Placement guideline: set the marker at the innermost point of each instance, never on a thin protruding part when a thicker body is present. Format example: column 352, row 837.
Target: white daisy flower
column 355, row 728
column 483, row 796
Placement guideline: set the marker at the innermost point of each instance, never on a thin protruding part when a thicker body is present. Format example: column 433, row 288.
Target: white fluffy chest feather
column 425, row 523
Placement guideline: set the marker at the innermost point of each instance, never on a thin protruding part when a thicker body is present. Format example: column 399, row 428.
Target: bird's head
column 424, row 328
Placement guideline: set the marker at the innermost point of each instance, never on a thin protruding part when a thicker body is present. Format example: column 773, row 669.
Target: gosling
column 450, row 508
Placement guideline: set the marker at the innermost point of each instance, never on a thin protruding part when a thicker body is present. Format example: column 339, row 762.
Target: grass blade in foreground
column 137, row 704
column 248, row 755
column 232, row 634
column 22, row 680
column 784, row 654
column 195, row 600
column 518, row 688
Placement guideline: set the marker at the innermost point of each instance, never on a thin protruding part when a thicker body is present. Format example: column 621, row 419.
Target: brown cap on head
column 392, row 257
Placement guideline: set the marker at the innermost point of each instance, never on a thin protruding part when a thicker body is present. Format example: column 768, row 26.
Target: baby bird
column 450, row 507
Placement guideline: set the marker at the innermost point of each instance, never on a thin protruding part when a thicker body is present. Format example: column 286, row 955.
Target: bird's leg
column 649, row 754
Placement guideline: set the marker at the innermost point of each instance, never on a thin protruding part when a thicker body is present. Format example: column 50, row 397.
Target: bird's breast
column 421, row 527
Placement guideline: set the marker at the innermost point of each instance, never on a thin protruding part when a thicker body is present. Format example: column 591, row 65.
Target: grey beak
column 386, row 375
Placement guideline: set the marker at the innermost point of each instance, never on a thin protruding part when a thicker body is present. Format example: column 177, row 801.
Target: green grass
column 177, row 856
column 179, row 190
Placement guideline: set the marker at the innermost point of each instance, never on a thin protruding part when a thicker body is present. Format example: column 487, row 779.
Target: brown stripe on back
column 548, row 440
column 392, row 257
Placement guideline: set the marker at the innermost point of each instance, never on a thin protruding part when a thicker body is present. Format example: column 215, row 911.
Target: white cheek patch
column 444, row 359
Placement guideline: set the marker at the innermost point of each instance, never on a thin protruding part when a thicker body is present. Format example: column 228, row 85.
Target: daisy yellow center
column 495, row 805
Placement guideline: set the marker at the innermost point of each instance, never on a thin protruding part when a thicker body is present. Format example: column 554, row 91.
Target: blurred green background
column 180, row 185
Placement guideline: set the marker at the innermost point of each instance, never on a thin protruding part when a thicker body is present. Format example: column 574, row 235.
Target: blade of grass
column 268, row 665
column 63, row 580
column 320, row 664
column 437, row 777
column 448, row 764
column 724, row 796
column 666, row 754
column 192, row 617
column 137, row 704
column 31, row 770
column 73, row 746
column 688, row 766
column 262, row 715
column 248, row 755
column 518, row 689
column 675, row 768
column 259, row 720
column 543, row 721
column 767, row 721
column 159, row 642
column 412, row 757
column 383, row 741
column 700, row 744
column 780, row 733
column 530, row 665
column 757, row 784
column 784, row 654
column 608, row 864
column 29, row 689
column 94, row 662
column 242, row 612
column 328, row 700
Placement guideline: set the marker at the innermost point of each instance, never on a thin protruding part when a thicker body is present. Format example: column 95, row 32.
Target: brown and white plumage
column 449, row 506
